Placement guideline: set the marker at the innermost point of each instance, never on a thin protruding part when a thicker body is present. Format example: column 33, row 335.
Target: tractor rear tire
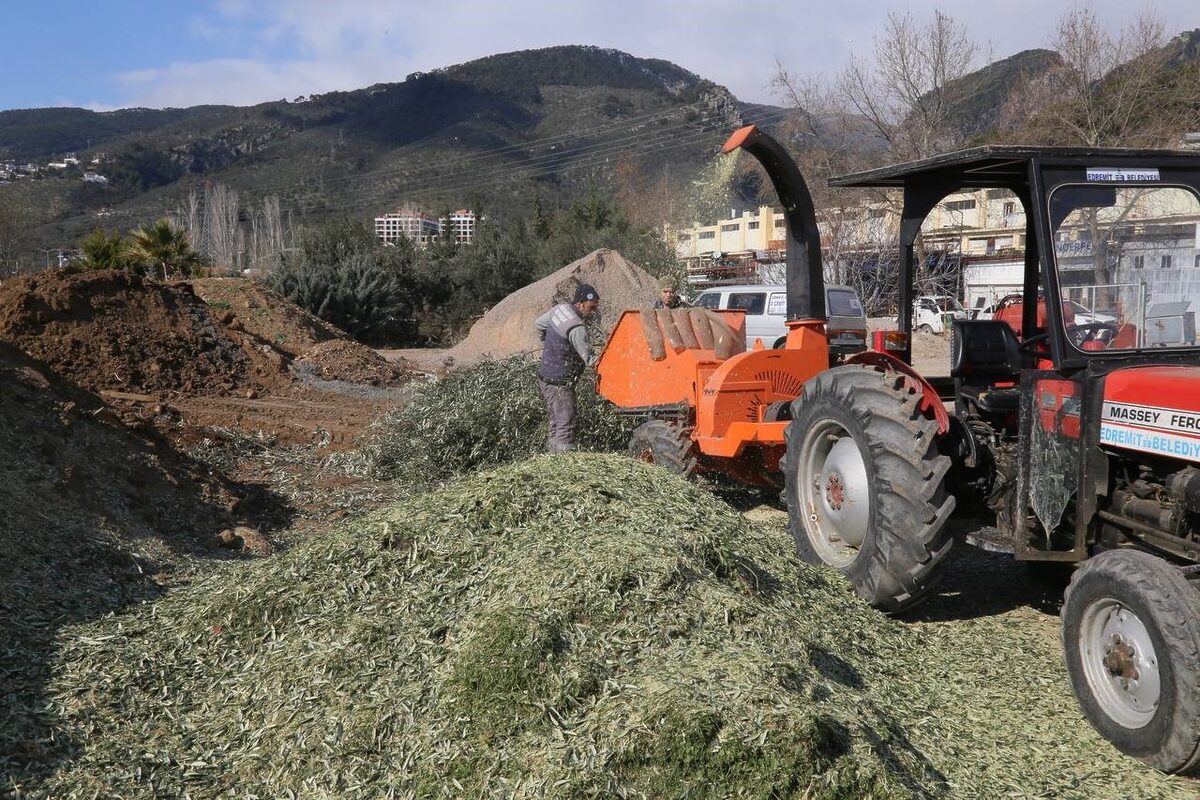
column 864, row 485
column 659, row 442
column 1131, row 639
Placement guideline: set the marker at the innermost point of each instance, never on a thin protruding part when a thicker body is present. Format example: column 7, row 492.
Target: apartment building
column 460, row 225
column 734, row 249
column 422, row 228
column 410, row 224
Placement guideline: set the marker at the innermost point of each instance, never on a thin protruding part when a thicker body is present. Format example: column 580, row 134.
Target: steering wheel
column 1088, row 330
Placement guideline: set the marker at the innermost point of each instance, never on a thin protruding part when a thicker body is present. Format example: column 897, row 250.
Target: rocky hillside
column 477, row 129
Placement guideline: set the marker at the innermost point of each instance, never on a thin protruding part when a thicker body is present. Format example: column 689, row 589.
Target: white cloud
column 300, row 47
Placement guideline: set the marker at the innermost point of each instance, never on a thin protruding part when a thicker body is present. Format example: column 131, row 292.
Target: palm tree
column 102, row 250
column 163, row 246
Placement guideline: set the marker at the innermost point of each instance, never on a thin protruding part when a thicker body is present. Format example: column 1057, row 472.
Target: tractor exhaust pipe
column 805, row 278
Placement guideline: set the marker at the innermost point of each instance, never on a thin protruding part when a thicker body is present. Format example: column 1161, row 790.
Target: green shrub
column 481, row 416
column 104, row 250
column 343, row 275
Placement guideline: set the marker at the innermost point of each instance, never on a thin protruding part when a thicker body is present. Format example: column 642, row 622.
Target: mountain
column 551, row 122
column 41, row 133
column 496, row 133
column 978, row 100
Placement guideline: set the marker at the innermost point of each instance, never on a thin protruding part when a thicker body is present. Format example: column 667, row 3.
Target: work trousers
column 560, row 408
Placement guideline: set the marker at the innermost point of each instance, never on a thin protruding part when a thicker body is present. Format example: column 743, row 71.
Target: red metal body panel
column 1170, row 387
column 1057, row 405
column 1153, row 410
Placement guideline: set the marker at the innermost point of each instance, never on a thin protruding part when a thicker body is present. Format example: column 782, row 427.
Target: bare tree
column 225, row 235
column 908, row 88
column 828, row 140
column 14, row 225
column 1111, row 89
column 190, row 217
column 267, row 238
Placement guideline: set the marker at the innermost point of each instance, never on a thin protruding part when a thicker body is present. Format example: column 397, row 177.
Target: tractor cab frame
column 1079, row 430
column 1046, row 389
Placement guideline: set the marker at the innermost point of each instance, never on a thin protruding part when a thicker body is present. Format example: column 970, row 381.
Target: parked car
column 766, row 314
column 1084, row 315
column 933, row 313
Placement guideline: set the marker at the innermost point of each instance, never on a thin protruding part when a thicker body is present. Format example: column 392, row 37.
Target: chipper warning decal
column 1162, row 431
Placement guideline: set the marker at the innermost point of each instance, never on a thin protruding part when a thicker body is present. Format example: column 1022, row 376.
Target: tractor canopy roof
column 1008, row 165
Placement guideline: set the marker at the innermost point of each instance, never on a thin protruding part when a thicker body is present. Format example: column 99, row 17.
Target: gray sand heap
column 507, row 329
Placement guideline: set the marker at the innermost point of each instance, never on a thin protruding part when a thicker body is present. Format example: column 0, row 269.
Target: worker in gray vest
column 565, row 353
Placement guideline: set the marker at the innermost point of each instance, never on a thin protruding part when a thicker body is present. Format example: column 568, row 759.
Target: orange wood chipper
column 715, row 402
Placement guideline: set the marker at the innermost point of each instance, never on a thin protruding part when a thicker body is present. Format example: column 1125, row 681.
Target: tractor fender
column 931, row 401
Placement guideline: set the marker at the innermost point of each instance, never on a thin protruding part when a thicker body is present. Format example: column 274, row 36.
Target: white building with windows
column 422, row 228
column 460, row 225
column 409, row 224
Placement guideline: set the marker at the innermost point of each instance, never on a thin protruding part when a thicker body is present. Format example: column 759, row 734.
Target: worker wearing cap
column 565, row 353
column 667, row 298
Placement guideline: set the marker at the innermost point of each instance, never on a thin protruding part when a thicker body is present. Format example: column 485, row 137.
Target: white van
column 766, row 314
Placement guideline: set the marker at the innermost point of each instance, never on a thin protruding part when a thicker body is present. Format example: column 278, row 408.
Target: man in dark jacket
column 667, row 298
column 565, row 353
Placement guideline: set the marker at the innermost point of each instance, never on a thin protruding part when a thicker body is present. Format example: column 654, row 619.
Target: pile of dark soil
column 119, row 331
column 310, row 343
column 265, row 314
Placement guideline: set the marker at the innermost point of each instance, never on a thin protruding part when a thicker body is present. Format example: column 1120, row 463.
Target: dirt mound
column 259, row 311
column 116, row 330
column 508, row 328
column 345, row 360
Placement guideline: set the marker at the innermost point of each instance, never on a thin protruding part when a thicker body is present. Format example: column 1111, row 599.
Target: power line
column 463, row 166
column 512, row 173
column 545, row 166
column 557, row 161
column 568, row 159
column 577, row 133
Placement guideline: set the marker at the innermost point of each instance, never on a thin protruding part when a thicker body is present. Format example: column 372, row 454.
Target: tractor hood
column 1153, row 410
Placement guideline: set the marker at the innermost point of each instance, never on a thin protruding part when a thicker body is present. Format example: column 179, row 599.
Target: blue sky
column 117, row 53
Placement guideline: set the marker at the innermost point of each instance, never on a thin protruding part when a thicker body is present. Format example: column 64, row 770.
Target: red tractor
column 1071, row 443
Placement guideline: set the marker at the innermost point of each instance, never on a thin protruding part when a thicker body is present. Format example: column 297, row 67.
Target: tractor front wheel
column 863, row 484
column 1131, row 639
column 659, row 442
